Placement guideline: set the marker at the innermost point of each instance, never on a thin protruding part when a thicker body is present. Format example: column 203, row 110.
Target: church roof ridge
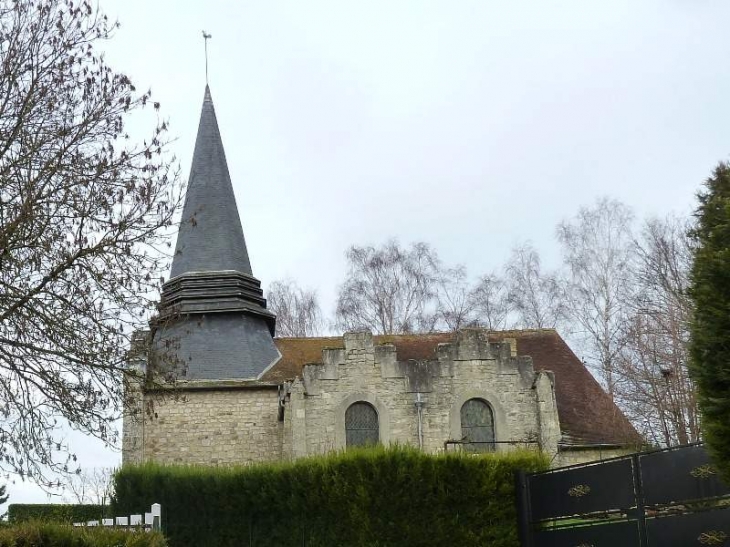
column 401, row 336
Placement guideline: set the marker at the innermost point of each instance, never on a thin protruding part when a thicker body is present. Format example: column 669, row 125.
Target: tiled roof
column 587, row 414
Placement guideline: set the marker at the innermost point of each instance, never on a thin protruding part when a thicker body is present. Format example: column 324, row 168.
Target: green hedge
column 47, row 512
column 35, row 534
column 378, row 497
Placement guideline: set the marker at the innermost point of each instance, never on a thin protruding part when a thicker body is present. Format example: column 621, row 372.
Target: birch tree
column 454, row 300
column 298, row 313
column 654, row 385
column 597, row 247
column 535, row 296
column 390, row 289
column 490, row 302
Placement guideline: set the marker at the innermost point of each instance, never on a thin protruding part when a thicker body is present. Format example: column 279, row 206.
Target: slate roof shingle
column 223, row 331
column 210, row 236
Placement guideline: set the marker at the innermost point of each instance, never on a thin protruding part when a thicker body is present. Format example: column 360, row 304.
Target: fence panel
column 704, row 528
column 608, row 535
column 683, row 474
column 664, row 498
column 582, row 490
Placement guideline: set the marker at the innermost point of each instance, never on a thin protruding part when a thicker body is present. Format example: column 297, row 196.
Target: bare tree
column 389, row 289
column 297, row 311
column 535, row 297
column 490, row 302
column 653, row 383
column 454, row 302
column 598, row 252
column 91, row 486
column 84, row 211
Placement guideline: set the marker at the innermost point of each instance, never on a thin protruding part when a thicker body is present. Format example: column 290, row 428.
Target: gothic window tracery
column 361, row 425
column 477, row 426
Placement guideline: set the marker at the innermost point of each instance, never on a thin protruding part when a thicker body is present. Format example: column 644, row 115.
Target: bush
column 37, row 534
column 60, row 513
column 376, row 497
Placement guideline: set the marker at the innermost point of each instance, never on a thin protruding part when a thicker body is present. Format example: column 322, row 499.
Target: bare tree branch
column 653, row 384
column 85, row 217
column 390, row 289
column 535, row 297
column 490, row 302
column 93, row 486
column 598, row 252
column 297, row 311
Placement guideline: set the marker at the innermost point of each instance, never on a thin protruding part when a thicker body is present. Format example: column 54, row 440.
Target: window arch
column 477, row 426
column 361, row 425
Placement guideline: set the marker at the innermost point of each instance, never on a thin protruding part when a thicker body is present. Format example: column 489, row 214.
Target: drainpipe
column 420, row 403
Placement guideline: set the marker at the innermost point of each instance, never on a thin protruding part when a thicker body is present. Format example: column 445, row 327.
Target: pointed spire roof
column 212, row 310
column 210, row 236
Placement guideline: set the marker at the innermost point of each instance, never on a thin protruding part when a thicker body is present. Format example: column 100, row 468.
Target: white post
column 156, row 516
column 135, row 520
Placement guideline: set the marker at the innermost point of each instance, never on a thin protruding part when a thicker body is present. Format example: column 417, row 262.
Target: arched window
column 361, row 425
column 477, row 426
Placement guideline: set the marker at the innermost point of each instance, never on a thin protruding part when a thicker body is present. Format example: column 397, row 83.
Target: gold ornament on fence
column 703, row 471
column 712, row 537
column 579, row 490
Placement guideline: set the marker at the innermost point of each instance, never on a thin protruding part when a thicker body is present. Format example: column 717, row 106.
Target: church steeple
column 212, row 309
column 210, row 236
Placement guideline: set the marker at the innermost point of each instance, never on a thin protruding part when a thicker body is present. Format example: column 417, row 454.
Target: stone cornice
column 212, row 385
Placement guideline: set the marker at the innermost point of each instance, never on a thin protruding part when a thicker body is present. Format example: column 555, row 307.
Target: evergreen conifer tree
column 710, row 329
column 3, row 499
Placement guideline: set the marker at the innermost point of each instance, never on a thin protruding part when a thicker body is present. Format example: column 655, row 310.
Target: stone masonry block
column 386, row 357
column 359, row 341
column 334, row 356
column 472, row 344
column 419, row 375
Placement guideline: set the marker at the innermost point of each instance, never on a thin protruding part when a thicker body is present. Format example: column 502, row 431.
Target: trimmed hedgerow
column 376, row 497
column 62, row 513
column 44, row 534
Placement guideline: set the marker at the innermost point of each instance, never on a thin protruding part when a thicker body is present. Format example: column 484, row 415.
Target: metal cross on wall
column 206, row 36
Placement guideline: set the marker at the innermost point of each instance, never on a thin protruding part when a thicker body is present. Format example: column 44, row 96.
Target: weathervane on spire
column 206, row 36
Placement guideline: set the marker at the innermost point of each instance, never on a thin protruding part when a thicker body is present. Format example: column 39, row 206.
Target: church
column 217, row 387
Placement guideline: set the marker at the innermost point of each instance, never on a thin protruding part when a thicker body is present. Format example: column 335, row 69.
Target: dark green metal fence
column 663, row 498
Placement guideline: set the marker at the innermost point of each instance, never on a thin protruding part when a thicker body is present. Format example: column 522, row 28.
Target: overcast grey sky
column 471, row 125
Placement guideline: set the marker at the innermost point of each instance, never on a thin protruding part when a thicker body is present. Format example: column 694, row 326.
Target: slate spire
column 210, row 236
column 212, row 310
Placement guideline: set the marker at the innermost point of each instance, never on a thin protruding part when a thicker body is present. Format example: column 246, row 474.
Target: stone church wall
column 522, row 401
column 211, row 426
column 229, row 422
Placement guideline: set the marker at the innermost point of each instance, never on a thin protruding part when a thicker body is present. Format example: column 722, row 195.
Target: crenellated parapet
column 469, row 347
column 422, row 394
